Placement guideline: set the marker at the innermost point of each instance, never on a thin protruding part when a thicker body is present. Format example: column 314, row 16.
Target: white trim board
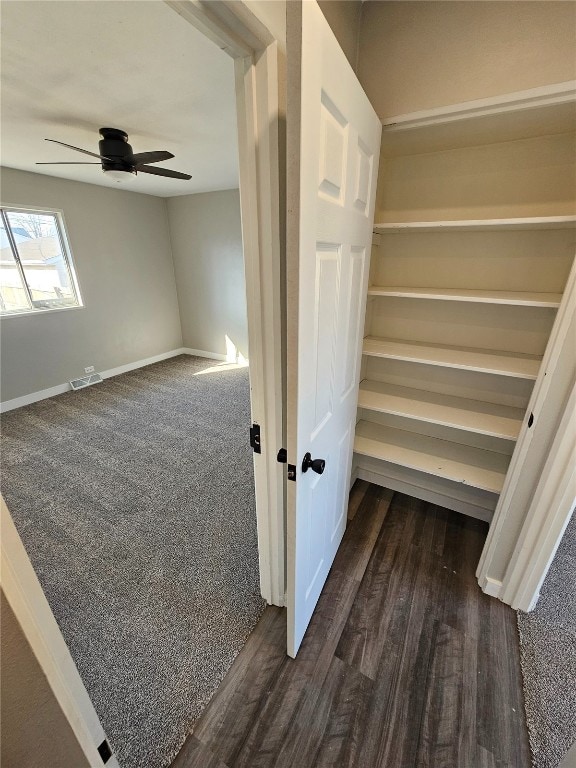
column 468, row 225
column 28, row 602
column 59, row 389
column 204, row 353
column 546, row 95
column 549, row 513
column 389, row 477
column 491, row 587
column 496, row 560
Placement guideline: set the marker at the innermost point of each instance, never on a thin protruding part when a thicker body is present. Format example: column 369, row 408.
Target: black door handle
column 316, row 465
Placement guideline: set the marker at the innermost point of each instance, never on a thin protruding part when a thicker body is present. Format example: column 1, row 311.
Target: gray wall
column 206, row 239
column 35, row 731
column 121, row 249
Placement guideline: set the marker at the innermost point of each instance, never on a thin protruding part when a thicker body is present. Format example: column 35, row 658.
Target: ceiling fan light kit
column 118, row 176
column 114, row 143
column 119, row 161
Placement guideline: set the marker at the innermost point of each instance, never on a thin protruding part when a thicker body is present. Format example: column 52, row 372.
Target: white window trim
column 67, row 252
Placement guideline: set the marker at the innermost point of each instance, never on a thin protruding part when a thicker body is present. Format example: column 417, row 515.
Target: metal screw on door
column 316, row 465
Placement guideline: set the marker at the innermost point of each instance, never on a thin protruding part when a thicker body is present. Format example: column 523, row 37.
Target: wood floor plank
column 194, row 754
column 361, row 534
column 340, row 714
column 386, row 587
column 486, row 759
column 275, row 735
column 448, row 734
column 261, row 733
column 464, row 541
column 405, row 664
column 237, row 703
column 501, row 717
column 404, row 661
column 356, row 496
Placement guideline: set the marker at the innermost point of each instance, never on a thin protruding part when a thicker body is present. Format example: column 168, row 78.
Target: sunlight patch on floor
column 223, row 367
column 234, row 360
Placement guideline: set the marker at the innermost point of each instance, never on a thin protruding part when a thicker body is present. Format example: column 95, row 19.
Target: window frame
column 66, row 253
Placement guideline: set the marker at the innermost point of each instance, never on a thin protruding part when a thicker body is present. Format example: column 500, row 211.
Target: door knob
column 316, row 465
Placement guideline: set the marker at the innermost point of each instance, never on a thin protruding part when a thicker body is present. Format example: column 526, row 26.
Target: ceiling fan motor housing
column 114, row 144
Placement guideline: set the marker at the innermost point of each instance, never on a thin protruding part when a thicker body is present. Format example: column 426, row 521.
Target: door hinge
column 255, row 438
column 292, row 472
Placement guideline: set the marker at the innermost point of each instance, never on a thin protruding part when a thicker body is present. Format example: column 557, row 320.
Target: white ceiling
column 70, row 68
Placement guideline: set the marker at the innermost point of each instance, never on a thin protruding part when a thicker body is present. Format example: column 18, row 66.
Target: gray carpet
column 135, row 501
column 548, row 654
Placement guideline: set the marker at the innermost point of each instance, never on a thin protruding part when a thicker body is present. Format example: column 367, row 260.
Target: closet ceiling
column 69, row 68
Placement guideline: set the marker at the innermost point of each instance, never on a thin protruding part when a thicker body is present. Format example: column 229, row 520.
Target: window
column 36, row 272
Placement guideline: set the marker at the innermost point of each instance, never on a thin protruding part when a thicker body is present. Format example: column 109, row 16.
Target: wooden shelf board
column 484, row 361
column 458, row 412
column 537, row 222
column 459, row 463
column 473, row 125
column 514, row 298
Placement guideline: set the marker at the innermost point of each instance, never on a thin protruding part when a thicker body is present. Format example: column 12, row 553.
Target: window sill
column 29, row 312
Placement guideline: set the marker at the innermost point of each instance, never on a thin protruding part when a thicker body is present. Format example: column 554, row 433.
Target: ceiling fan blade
column 85, row 151
column 161, row 172
column 152, row 157
column 66, row 163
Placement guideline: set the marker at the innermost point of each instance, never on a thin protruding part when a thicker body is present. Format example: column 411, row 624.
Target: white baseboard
column 203, row 353
column 490, row 586
column 59, row 389
column 141, row 363
column 353, row 477
column 386, row 479
column 33, row 397
column 43, row 394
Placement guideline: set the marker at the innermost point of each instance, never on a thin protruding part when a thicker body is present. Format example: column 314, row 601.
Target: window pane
column 13, row 297
column 43, row 263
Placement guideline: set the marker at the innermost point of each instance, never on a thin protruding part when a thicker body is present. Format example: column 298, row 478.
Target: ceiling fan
column 118, row 160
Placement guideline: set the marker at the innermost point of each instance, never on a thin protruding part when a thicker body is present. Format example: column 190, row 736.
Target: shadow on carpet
column 548, row 655
column 135, row 501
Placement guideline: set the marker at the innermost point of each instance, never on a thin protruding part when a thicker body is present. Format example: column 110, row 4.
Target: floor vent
column 86, row 381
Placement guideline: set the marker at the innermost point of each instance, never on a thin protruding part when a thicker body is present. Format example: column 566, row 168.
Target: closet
column 473, row 243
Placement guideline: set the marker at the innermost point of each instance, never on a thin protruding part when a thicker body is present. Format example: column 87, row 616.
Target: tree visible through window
column 36, row 270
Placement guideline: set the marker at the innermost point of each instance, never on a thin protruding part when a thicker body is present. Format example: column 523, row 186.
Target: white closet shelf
column 482, row 360
column 539, row 222
column 515, row 298
column 483, row 418
column 463, row 464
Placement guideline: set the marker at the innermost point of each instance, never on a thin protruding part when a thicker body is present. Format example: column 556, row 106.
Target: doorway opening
column 188, row 417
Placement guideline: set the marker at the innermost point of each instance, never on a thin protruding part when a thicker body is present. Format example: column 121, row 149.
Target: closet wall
column 421, row 55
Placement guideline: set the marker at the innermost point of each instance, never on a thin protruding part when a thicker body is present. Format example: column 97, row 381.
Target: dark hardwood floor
column 406, row 663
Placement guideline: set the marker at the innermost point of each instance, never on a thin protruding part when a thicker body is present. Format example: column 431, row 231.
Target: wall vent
column 86, row 381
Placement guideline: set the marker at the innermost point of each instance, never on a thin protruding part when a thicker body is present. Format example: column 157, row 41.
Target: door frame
column 260, row 109
column 28, row 602
column 258, row 63
column 549, row 513
column 515, row 575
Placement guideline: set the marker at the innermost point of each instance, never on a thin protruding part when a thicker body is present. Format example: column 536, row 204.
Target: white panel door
column 332, row 170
